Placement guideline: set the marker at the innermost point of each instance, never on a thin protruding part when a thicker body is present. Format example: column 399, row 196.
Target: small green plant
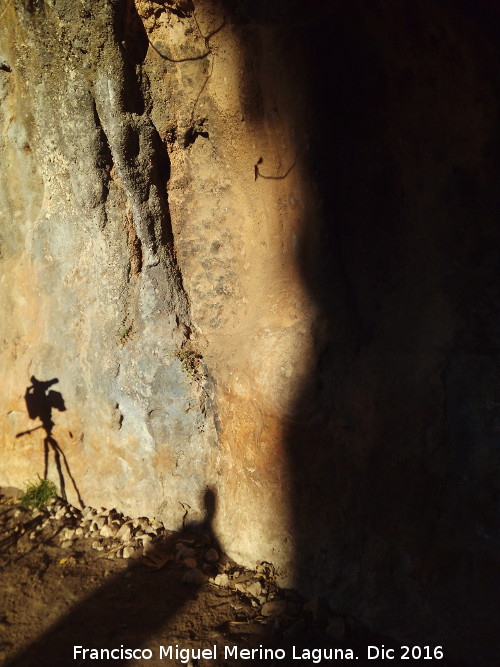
column 190, row 360
column 125, row 333
column 38, row 494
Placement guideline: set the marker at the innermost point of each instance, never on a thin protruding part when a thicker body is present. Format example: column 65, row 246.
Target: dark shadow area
column 393, row 445
column 394, row 442
column 130, row 609
column 133, row 39
column 40, row 402
column 137, row 609
column 204, row 529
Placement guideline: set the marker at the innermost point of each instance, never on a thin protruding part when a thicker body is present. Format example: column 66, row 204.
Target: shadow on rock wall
column 394, row 444
column 40, row 403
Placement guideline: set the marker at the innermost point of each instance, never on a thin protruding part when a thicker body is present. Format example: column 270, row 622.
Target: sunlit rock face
column 91, row 290
column 257, row 247
column 154, row 205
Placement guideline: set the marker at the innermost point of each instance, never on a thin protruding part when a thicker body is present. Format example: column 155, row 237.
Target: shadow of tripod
column 40, row 402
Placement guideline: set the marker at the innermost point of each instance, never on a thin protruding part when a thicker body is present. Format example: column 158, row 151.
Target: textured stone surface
column 258, row 248
column 90, row 284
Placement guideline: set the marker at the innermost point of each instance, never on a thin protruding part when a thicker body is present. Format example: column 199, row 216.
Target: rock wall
column 257, row 247
column 90, row 283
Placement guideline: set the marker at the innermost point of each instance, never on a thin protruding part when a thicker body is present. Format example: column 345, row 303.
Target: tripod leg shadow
column 50, row 442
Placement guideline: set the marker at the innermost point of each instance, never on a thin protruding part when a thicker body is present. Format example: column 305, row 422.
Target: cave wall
column 258, row 248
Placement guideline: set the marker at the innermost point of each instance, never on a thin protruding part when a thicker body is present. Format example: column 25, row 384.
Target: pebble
column 244, row 628
column 255, row 588
column 190, row 562
column 212, row 556
column 67, row 544
column 124, row 533
column 97, row 545
column 156, row 559
column 221, row 580
column 184, row 552
column 107, row 531
column 194, row 578
column 274, row 608
column 128, row 552
column 148, row 546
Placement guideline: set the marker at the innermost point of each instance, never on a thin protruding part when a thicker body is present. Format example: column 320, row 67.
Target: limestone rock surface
column 257, row 247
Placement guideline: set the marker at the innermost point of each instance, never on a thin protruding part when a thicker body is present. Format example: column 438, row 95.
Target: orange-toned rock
column 248, row 258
